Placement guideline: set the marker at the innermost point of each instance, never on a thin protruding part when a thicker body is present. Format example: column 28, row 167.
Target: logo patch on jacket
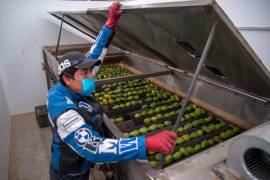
column 86, row 106
column 128, row 144
column 83, row 137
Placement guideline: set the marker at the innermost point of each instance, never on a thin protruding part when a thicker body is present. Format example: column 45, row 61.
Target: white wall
column 4, row 134
column 251, row 13
column 25, row 28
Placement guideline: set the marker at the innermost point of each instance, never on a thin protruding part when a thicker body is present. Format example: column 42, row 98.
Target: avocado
column 195, row 123
column 168, row 159
column 107, row 96
column 137, row 115
column 152, row 127
column 211, row 141
column 163, row 108
column 217, row 126
column 183, row 151
column 143, row 130
column 160, row 126
column 180, row 129
column 145, row 106
column 134, row 133
column 179, row 140
column 177, row 155
column 168, row 123
column 159, row 116
column 198, row 147
column 147, row 120
column 204, row 144
column 216, row 138
column 154, row 118
column 119, row 119
column 151, row 111
column 115, row 107
column 187, row 126
column 236, row 130
column 186, row 137
column 143, row 113
column 191, row 149
column 193, row 135
column 154, row 164
column 126, row 134
column 193, row 114
column 158, row 156
column 166, row 115
column 188, row 116
column 211, row 127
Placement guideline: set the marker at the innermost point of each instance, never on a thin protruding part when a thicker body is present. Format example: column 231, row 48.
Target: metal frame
column 263, row 100
column 131, row 77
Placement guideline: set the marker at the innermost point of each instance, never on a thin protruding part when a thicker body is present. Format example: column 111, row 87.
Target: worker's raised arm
column 88, row 143
column 100, row 47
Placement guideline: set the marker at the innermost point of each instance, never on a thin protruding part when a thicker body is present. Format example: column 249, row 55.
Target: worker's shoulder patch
column 69, row 122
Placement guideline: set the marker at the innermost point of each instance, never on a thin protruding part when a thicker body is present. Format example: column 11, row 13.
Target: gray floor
column 30, row 150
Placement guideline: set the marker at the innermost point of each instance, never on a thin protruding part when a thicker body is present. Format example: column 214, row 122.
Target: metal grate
column 257, row 162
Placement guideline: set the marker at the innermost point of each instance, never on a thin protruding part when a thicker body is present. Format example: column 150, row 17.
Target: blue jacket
column 77, row 140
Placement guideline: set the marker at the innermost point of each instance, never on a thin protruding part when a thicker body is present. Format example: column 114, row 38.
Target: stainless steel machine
column 165, row 41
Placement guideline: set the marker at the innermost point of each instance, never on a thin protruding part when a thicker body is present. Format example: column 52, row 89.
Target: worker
column 76, row 116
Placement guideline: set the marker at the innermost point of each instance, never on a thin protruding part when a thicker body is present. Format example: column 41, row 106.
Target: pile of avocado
column 187, row 150
column 111, row 70
column 158, row 109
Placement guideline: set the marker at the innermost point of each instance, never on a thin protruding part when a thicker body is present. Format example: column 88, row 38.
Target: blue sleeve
column 88, row 143
column 101, row 44
column 99, row 150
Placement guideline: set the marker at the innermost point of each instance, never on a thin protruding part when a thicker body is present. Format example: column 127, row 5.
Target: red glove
column 163, row 142
column 114, row 15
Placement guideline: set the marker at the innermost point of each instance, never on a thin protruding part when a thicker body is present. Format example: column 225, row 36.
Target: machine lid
column 176, row 33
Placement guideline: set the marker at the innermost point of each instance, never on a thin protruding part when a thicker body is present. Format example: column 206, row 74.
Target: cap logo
column 63, row 65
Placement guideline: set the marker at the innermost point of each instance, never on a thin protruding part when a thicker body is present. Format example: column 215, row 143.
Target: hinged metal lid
column 176, row 33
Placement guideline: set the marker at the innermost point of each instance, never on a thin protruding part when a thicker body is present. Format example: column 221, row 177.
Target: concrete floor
column 30, row 150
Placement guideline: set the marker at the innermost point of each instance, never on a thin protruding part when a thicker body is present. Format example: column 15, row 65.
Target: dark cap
column 77, row 60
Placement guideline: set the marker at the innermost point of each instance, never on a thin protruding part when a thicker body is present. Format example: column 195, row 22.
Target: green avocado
column 147, row 120
column 159, row 116
column 160, row 126
column 143, row 130
column 199, row 132
column 180, row 129
column 183, row 151
column 126, row 134
column 134, row 133
column 191, row 149
column 198, row 147
column 119, row 119
column 168, row 123
column 177, row 155
column 186, row 137
column 236, row 130
column 193, row 135
column 158, row 156
column 179, row 140
column 168, row 159
column 216, row 138
column 187, row 126
column 152, row 127
column 137, row 115
column 154, row 164
column 211, row 141
column 204, row 144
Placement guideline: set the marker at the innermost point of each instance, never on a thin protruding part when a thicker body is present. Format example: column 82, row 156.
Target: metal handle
column 191, row 86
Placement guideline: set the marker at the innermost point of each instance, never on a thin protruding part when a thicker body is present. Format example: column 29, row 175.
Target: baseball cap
column 77, row 60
